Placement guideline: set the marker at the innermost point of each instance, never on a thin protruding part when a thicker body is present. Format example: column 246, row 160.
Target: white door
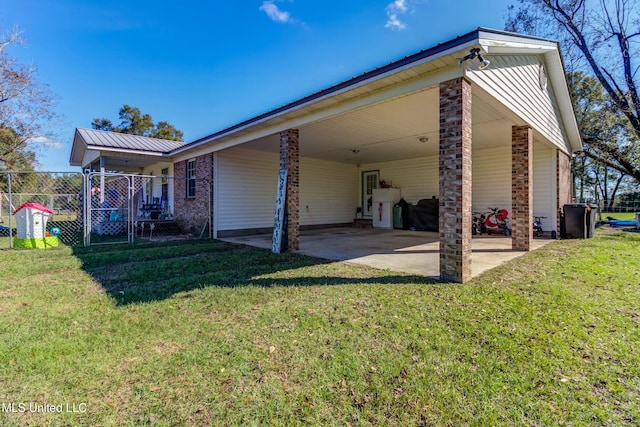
column 370, row 181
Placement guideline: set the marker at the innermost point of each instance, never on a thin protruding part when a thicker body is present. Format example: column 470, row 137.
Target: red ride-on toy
column 496, row 222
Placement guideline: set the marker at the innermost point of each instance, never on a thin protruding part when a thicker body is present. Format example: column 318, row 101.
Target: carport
column 413, row 252
column 437, row 124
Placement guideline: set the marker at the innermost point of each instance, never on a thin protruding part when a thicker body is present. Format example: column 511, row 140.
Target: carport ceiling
column 393, row 129
column 128, row 162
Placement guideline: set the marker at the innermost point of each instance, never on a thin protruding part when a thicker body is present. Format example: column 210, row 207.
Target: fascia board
column 75, row 158
column 560, row 86
column 125, row 151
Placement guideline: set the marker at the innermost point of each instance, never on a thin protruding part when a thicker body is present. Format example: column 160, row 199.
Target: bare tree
column 26, row 108
column 601, row 37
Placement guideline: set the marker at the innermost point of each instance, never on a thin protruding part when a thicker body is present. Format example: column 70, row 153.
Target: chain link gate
column 109, row 206
column 59, row 192
column 124, row 207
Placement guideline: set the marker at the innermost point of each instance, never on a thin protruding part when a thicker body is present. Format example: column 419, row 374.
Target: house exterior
column 436, row 124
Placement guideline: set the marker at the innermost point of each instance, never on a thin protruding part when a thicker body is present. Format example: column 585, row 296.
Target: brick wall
column 193, row 213
column 522, row 187
column 455, row 180
column 290, row 160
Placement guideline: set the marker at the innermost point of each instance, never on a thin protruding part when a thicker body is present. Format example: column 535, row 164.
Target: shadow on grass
column 148, row 272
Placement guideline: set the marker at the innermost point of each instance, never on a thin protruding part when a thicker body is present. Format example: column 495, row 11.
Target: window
column 191, row 179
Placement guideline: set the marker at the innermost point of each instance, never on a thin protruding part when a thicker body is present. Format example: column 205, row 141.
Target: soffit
column 392, row 130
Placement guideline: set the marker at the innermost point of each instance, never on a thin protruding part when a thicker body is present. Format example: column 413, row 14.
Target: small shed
column 31, row 221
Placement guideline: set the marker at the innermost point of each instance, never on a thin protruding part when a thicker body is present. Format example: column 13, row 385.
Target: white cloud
column 394, row 9
column 48, row 143
column 399, row 5
column 394, row 23
column 274, row 12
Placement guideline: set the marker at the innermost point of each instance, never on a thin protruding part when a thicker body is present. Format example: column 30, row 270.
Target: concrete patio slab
column 415, row 252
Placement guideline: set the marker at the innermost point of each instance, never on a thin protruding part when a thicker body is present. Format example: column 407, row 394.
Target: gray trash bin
column 575, row 221
column 592, row 211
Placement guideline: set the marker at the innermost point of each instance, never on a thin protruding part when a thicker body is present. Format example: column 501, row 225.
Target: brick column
column 455, row 180
column 290, row 160
column 521, row 187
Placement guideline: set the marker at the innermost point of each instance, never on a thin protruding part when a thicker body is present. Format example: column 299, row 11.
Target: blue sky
column 206, row 65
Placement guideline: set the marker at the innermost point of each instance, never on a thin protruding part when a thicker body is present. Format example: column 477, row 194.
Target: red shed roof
column 37, row 206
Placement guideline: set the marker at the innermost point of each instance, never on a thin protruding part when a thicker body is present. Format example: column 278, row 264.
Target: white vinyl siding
column 416, row 178
column 544, row 185
column 419, row 178
column 515, row 81
column 328, row 192
column 247, row 184
column 492, row 181
column 491, row 169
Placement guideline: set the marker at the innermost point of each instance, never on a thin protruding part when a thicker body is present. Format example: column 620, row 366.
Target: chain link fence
column 37, row 205
column 630, row 206
column 123, row 208
column 101, row 208
column 618, row 206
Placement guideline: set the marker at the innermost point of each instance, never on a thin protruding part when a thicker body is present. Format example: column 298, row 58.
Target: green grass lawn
column 207, row 333
column 620, row 216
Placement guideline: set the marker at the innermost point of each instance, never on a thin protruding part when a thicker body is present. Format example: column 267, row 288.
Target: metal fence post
column 10, row 211
column 86, row 201
column 210, row 209
column 131, row 231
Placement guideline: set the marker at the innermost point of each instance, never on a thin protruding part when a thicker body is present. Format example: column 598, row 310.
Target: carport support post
column 455, row 180
column 290, row 160
column 102, row 172
column 521, row 188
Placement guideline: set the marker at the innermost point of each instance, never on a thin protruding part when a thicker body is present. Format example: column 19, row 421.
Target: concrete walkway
column 415, row 252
